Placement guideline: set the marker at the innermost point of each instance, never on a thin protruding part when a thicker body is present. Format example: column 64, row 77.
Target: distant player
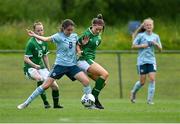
column 87, row 45
column 146, row 42
column 65, row 63
column 36, row 64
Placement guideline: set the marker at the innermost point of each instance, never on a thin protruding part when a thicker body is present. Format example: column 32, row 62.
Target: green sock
column 99, row 85
column 55, row 95
column 43, row 95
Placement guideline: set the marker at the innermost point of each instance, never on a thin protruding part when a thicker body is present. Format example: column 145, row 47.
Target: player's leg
column 55, row 95
column 101, row 75
column 151, row 87
column 55, row 89
column 39, row 90
column 36, row 75
column 142, row 70
column 43, row 96
column 75, row 73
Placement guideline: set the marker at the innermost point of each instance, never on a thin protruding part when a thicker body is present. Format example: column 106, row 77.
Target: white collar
column 39, row 41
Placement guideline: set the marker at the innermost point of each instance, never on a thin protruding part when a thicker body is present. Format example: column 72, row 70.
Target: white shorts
column 42, row 72
column 82, row 64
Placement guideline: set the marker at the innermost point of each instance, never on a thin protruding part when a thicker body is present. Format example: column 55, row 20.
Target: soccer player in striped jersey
column 146, row 42
column 65, row 63
column 36, row 64
column 86, row 48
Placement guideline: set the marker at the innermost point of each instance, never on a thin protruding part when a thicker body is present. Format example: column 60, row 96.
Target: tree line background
column 20, row 14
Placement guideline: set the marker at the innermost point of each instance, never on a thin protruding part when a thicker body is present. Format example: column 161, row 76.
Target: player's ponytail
column 140, row 29
column 98, row 21
column 99, row 16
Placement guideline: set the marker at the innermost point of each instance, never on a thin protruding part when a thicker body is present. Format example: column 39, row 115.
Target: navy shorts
column 58, row 71
column 146, row 68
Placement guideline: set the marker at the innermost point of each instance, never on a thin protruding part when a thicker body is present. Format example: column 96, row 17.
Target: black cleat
column 98, row 104
column 46, row 105
column 58, row 106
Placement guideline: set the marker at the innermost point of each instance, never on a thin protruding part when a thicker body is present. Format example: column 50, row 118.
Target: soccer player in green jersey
column 86, row 49
column 36, row 64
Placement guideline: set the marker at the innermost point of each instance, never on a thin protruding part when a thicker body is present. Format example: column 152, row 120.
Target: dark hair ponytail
column 98, row 21
column 99, row 16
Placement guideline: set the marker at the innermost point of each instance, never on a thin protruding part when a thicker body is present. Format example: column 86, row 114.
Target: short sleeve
column 137, row 39
column 159, row 41
column 29, row 50
column 55, row 38
column 46, row 49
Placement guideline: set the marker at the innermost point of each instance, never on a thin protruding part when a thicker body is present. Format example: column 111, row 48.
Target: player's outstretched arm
column 32, row 34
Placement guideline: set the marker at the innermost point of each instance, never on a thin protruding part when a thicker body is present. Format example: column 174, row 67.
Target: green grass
column 116, row 111
column 15, row 88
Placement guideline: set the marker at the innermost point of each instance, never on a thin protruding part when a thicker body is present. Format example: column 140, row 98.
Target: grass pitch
column 15, row 88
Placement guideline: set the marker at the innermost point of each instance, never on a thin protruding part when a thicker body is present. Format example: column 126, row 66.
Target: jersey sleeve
column 29, row 49
column 55, row 38
column 159, row 41
column 137, row 39
column 99, row 38
column 46, row 49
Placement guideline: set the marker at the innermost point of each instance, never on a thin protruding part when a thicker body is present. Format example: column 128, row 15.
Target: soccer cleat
column 58, row 106
column 133, row 97
column 98, row 104
column 92, row 107
column 150, row 102
column 47, row 106
column 22, row 106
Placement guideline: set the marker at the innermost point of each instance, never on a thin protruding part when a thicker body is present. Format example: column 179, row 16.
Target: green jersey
column 35, row 50
column 89, row 49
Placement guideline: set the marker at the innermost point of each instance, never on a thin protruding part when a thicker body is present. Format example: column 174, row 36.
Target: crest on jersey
column 43, row 47
column 97, row 42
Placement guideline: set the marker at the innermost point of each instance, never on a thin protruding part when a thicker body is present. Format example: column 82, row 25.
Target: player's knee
column 54, row 86
column 152, row 80
column 86, row 82
column 105, row 75
column 47, row 83
column 142, row 82
column 39, row 78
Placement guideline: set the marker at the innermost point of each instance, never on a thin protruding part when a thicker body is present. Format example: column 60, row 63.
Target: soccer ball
column 87, row 100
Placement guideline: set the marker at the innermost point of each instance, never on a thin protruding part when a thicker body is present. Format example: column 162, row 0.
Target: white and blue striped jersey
column 66, row 48
column 146, row 55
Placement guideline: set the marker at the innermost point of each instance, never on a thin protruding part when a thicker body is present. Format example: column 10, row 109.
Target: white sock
column 151, row 90
column 87, row 89
column 39, row 90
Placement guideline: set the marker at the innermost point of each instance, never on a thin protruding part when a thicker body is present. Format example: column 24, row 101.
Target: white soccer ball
column 87, row 100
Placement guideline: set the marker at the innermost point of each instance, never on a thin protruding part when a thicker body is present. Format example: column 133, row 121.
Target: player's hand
column 30, row 33
column 144, row 45
column 37, row 66
column 85, row 40
column 79, row 53
column 154, row 43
